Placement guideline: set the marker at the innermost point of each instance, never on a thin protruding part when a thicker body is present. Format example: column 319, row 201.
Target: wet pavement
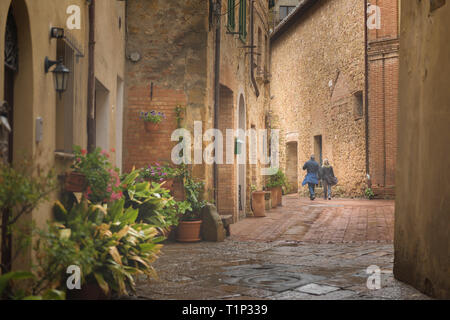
column 302, row 251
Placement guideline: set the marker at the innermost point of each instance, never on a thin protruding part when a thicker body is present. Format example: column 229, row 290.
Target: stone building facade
column 343, row 103
column 31, row 100
column 171, row 51
column 317, row 89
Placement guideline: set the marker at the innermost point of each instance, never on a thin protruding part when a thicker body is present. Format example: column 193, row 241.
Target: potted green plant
column 152, row 120
column 102, row 181
column 106, row 242
column 275, row 184
column 190, row 223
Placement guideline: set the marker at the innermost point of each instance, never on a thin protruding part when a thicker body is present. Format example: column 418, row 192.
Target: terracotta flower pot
column 259, row 204
column 75, row 182
column 151, row 126
column 189, row 231
column 88, row 291
column 274, row 195
column 280, row 196
column 168, row 184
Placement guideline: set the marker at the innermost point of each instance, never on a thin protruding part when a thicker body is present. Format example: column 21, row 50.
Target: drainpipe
column 217, row 12
column 252, row 48
column 366, row 88
column 91, row 80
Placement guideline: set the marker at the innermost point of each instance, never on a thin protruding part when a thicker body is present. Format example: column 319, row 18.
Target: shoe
column 313, row 198
column 329, row 198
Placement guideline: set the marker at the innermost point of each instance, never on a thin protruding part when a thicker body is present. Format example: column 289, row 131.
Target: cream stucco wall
column 422, row 217
column 34, row 93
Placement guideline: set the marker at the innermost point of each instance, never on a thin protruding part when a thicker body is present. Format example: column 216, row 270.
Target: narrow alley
column 301, row 251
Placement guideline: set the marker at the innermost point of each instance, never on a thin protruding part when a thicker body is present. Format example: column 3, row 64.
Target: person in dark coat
column 312, row 179
column 326, row 173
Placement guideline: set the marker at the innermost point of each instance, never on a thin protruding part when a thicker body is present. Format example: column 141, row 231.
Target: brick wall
column 171, row 71
column 383, row 98
column 226, row 202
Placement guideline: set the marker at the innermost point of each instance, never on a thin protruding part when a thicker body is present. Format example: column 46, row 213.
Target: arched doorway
column 17, row 142
column 241, row 163
column 11, row 66
column 292, row 166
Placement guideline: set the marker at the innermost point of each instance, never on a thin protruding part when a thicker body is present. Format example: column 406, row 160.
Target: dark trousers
column 326, row 189
column 312, row 188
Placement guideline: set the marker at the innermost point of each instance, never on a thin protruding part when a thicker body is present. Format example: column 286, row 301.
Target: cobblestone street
column 301, row 251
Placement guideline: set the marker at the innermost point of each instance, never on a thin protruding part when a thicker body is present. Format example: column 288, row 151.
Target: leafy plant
column 193, row 191
column 369, row 193
column 158, row 172
column 22, row 190
column 152, row 116
column 106, row 242
column 21, row 294
column 277, row 180
column 155, row 204
column 102, row 179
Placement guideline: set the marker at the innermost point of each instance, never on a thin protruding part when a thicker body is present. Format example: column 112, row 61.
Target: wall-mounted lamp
column 57, row 33
column 60, row 74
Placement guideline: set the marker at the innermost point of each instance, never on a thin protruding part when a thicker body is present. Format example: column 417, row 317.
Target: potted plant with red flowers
column 152, row 120
column 102, row 181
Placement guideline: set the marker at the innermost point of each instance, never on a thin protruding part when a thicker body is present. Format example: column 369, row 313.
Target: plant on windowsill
column 152, row 120
column 101, row 180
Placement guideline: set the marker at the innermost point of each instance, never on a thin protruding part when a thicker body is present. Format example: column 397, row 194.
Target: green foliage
column 369, row 193
column 152, row 116
column 193, row 190
column 22, row 189
column 179, row 111
column 106, row 242
column 102, row 179
column 21, row 294
column 277, row 180
column 159, row 173
column 155, row 204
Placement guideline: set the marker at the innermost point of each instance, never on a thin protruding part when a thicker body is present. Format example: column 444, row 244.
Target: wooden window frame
column 231, row 24
column 243, row 20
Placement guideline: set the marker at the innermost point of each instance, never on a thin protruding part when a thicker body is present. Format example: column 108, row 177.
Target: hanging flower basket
column 152, row 120
column 75, row 182
column 151, row 126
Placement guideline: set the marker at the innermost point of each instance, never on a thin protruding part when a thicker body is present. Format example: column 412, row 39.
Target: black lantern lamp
column 60, row 74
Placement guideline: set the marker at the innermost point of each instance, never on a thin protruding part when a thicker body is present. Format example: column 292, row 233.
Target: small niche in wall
column 358, row 105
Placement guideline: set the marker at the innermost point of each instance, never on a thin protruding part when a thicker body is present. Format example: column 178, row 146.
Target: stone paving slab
column 299, row 252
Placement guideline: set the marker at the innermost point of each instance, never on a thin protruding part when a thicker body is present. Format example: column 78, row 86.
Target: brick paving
column 321, row 221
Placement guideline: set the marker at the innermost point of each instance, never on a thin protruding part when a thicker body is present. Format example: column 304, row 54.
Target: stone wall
column 423, row 173
column 317, row 67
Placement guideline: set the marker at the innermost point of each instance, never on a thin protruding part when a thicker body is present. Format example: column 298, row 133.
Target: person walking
column 312, row 168
column 326, row 173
